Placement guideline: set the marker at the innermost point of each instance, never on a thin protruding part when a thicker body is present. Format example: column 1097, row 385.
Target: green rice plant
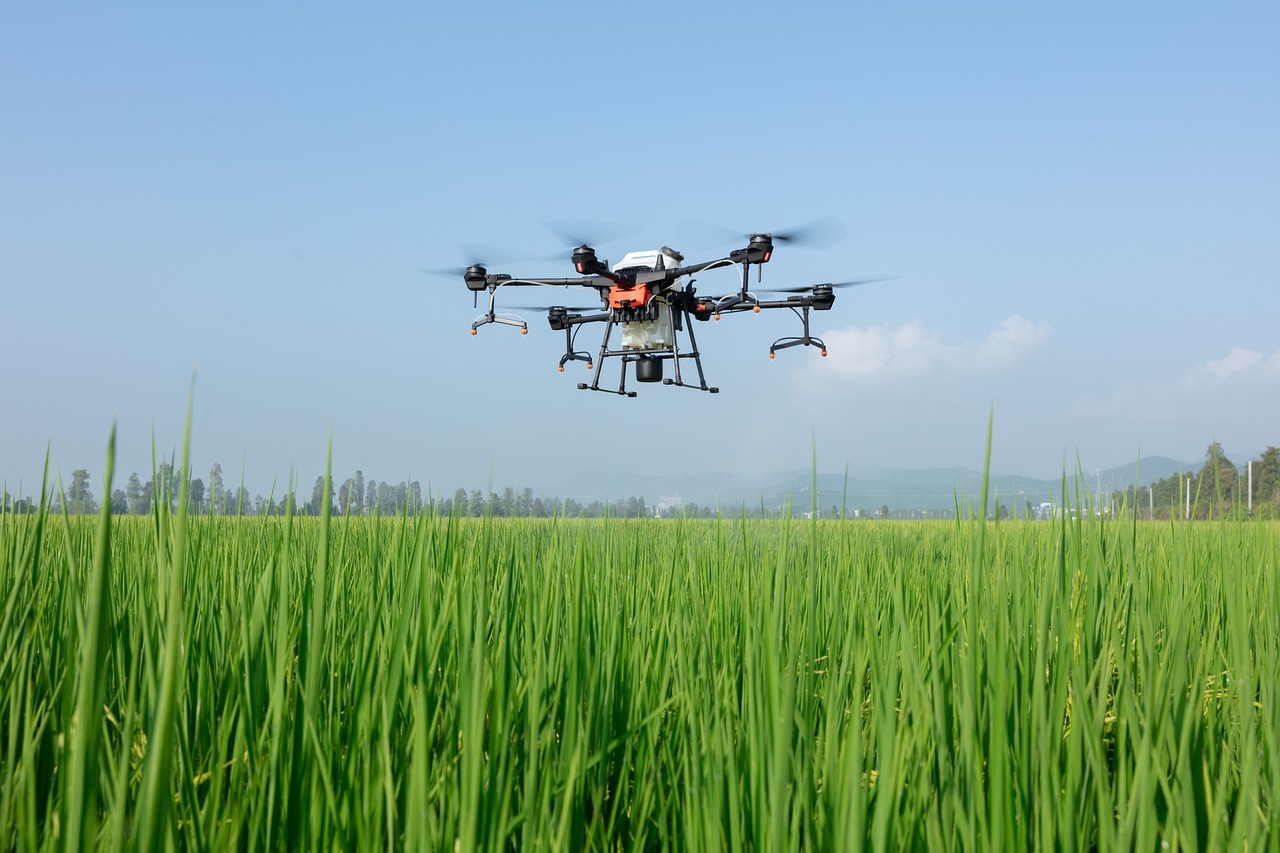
column 428, row 682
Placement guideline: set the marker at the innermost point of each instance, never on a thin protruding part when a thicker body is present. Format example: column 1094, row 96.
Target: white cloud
column 1238, row 360
column 911, row 349
column 1204, row 387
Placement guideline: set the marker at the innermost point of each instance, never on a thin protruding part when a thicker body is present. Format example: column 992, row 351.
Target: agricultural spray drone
column 648, row 302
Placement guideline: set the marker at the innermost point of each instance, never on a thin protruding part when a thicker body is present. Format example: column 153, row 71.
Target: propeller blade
column 485, row 255
column 821, row 233
column 851, row 283
column 449, row 272
column 586, row 232
column 700, row 233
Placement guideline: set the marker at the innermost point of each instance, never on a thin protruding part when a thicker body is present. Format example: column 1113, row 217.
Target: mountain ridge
column 868, row 488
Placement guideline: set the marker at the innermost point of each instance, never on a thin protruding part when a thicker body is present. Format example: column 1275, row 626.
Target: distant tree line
column 1219, row 489
column 354, row 496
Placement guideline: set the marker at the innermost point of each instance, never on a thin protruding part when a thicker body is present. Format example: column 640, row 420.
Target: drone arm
column 493, row 282
column 703, row 267
column 736, row 304
column 560, row 321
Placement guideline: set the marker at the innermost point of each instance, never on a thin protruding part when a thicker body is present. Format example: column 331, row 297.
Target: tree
column 884, row 510
column 415, row 497
column 80, row 496
column 477, row 503
column 1266, row 478
column 146, row 499
column 1218, row 479
column 357, row 493
column 134, row 493
column 119, row 502
column 215, row 489
column 197, row 495
column 318, row 496
column 371, row 498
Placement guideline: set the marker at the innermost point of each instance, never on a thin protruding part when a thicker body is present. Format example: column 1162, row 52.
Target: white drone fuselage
column 658, row 333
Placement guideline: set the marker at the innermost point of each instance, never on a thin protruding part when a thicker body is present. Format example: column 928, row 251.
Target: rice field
column 445, row 683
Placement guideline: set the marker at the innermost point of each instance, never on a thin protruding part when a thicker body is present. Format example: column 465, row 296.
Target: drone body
column 647, row 304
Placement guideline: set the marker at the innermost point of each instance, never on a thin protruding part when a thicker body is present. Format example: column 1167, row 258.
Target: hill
column 900, row 489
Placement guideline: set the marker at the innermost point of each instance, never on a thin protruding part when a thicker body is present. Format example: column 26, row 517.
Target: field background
column 414, row 682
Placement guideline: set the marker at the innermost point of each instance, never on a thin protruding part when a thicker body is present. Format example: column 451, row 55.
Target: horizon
column 571, row 486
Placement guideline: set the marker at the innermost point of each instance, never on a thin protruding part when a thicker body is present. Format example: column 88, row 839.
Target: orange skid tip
column 756, row 309
column 715, row 317
column 524, row 331
column 473, row 331
column 824, row 353
column 590, row 366
column 773, row 355
column 560, row 368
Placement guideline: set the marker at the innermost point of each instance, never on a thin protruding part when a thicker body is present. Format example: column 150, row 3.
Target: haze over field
column 1078, row 204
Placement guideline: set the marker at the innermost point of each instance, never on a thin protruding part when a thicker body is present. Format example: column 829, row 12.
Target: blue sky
column 1080, row 205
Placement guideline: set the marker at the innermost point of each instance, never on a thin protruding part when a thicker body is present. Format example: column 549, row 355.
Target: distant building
column 668, row 505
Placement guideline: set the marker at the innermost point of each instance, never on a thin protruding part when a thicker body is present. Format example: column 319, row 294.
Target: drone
column 648, row 303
